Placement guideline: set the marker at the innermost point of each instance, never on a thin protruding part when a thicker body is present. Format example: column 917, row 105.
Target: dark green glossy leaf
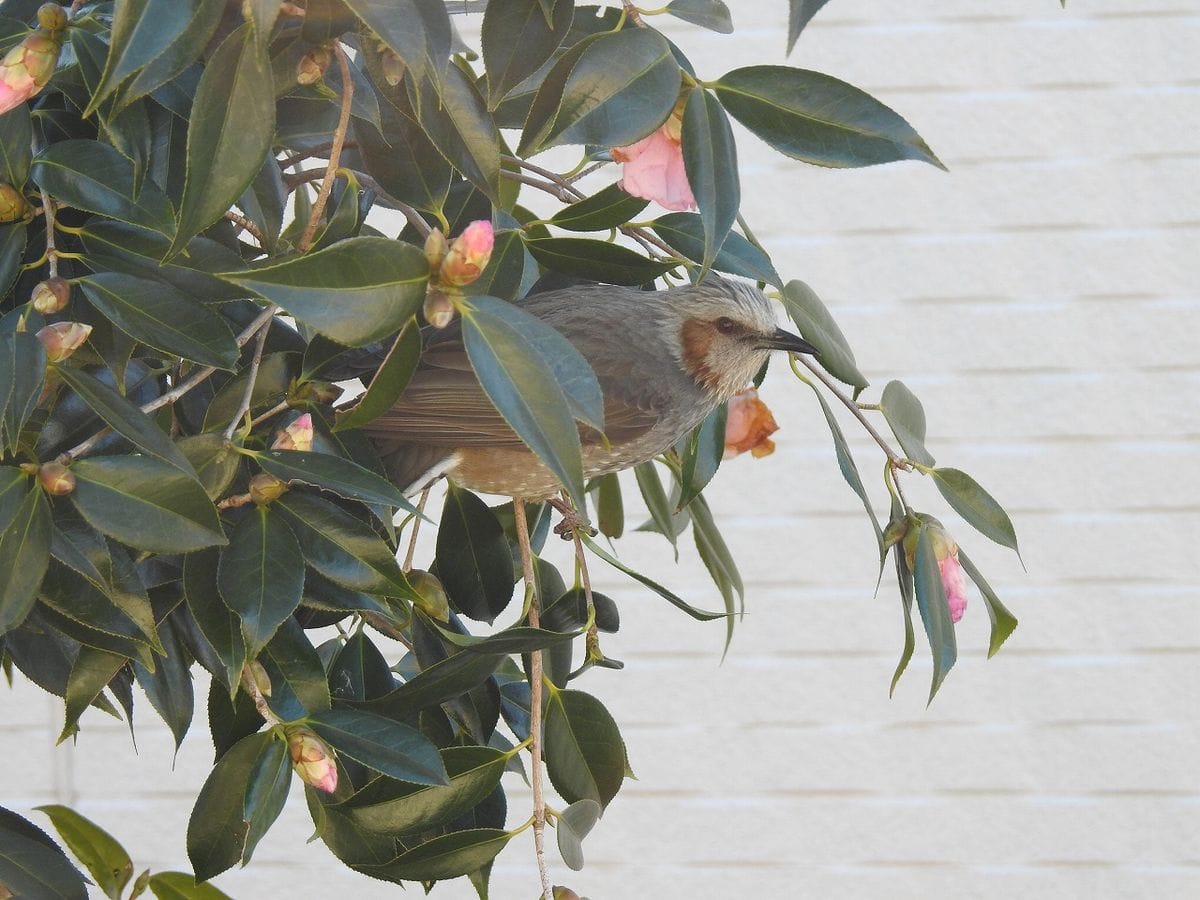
column 452, row 677
column 201, row 18
column 24, row 556
column 219, row 625
column 711, row 14
column 473, row 559
column 710, row 157
column 355, row 292
column 573, row 826
column 799, row 14
column 22, row 370
column 701, row 454
column 611, row 90
column 214, row 460
column 904, row 577
column 418, row 31
column 91, row 673
column 818, row 119
column 332, row 473
column 1003, row 622
column 216, row 834
column 608, row 208
column 230, row 719
column 146, row 504
column 516, row 639
column 261, row 575
column 459, row 125
column 717, row 559
column 13, row 237
column 403, row 160
column 517, row 37
column 610, row 509
column 32, row 865
column 382, row 744
column 596, row 260
column 265, row 201
column 935, row 611
column 16, row 141
column 389, row 381
column 585, row 756
column 124, row 418
column 103, row 857
column 97, row 178
column 656, row 501
column 141, row 30
column 976, row 506
column 180, row 886
column 676, row 601
column 298, row 685
column 684, row 233
column 169, row 686
column 163, row 318
column 447, row 856
column 906, row 417
column 229, row 133
column 817, row 327
column 359, row 671
column 343, row 548
column 266, row 793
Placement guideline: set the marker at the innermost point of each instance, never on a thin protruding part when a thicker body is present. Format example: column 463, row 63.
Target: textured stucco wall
column 1042, row 300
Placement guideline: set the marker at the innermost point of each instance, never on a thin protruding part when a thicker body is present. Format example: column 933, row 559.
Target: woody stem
column 335, row 150
column 535, row 701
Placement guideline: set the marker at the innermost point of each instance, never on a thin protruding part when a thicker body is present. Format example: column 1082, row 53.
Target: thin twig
column 318, row 151
column 545, row 173
column 335, row 150
column 251, row 379
column 308, row 176
column 412, row 538
column 634, row 14
column 275, row 410
column 584, row 173
column 535, row 701
column 291, row 9
column 592, row 641
column 250, row 685
column 51, row 250
column 242, row 222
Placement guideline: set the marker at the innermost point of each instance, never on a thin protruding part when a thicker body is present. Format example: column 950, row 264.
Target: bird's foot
column 572, row 521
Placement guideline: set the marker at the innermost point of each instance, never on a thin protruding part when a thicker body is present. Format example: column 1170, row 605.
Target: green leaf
column 124, row 418
column 359, row 671
column 609, row 207
column 332, row 473
column 218, row 625
column 216, row 834
column 818, row 119
column 229, row 134
column 201, row 18
column 32, row 865
column 684, row 233
column 453, row 676
column 976, row 506
column 379, row 743
column 16, row 142
column 473, row 559
column 96, row 178
column 13, row 237
column 698, row 614
column 22, row 371
column 702, row 451
column 261, row 575
column 398, row 808
column 91, row 672
column 585, row 756
column 817, row 327
column 459, row 125
column 417, row 31
column 214, row 460
column 935, row 611
column 298, row 685
column 357, row 291
column 656, row 501
column 906, row 417
column 611, row 90
column 169, row 686
column 799, row 14
column 145, row 503
column 520, row 362
column 343, row 548
column 389, row 381
column 514, row 639
column 518, row 37
column 446, row 856
column 104, row 858
column 596, row 260
column 905, row 579
column 610, row 509
column 719, row 562
column 710, row 157
column 266, row 793
column 1004, row 623
column 24, row 556
column 163, row 318
column 711, row 14
column 573, row 826
column 180, row 886
column 141, row 30
column 403, row 160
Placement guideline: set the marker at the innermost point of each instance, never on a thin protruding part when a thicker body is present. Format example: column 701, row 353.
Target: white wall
column 1041, row 299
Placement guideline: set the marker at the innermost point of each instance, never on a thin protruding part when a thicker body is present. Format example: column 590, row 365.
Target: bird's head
column 726, row 331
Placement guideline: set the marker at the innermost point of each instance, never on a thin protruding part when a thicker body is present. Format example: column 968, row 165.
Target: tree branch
column 251, row 378
column 335, row 150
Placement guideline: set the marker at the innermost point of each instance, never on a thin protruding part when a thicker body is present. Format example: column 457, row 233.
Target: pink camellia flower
column 654, row 168
column 749, row 426
column 954, row 583
column 63, row 338
column 297, row 436
column 468, row 255
column 312, row 759
column 27, row 67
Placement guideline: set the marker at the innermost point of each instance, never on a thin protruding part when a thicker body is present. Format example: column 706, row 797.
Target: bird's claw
column 572, row 522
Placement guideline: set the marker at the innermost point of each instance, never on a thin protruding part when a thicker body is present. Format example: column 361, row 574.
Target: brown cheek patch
column 696, row 338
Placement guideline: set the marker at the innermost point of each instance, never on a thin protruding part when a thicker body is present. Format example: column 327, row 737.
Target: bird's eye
column 726, row 325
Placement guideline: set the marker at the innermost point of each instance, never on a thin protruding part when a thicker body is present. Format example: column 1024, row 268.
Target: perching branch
column 251, row 378
column 335, row 150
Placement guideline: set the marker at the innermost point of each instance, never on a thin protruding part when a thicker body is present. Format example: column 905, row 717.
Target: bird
column 664, row 361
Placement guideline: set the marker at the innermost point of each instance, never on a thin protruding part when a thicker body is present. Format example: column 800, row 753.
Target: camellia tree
column 199, row 257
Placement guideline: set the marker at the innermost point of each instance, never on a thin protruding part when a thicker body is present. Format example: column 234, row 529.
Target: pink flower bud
column 27, row 67
column 954, row 583
column 654, row 170
column 56, row 479
column 313, row 65
column 749, row 426
column 13, row 207
column 63, row 338
column 312, row 759
column 469, row 254
column 436, row 247
column 51, row 296
column 438, row 309
column 297, row 436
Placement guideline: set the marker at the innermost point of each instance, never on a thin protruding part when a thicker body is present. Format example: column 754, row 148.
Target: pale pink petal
column 955, row 585
column 749, row 425
column 654, row 170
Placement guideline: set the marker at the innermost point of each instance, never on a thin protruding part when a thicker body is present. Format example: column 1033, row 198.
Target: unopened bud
column 51, row 296
column 27, row 67
column 317, row 391
column 432, row 599
column 262, row 681
column 436, row 247
column 564, row 893
column 63, row 338
column 312, row 759
column 313, row 65
column 895, row 531
column 13, row 206
column 945, row 550
column 393, row 67
column 296, row 436
column 56, row 479
column 438, row 309
column 52, row 17
column 266, row 488
column 468, row 255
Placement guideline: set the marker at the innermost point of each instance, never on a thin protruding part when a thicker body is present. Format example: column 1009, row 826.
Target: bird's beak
column 785, row 340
